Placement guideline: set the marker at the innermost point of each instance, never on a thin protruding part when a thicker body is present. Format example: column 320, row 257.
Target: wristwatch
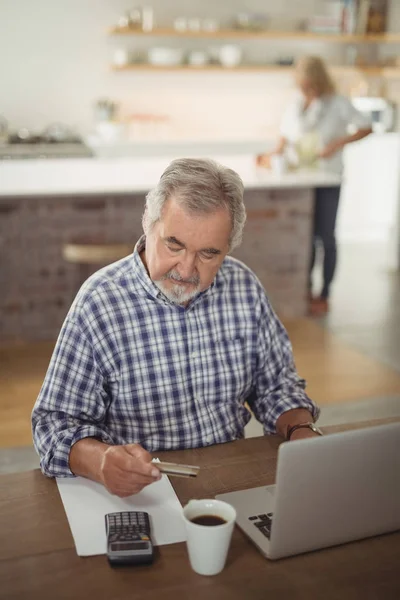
column 308, row 425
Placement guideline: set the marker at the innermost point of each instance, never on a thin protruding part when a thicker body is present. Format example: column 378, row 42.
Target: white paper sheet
column 86, row 502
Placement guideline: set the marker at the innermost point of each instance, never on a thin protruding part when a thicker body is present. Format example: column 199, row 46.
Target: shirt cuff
column 57, row 465
column 285, row 405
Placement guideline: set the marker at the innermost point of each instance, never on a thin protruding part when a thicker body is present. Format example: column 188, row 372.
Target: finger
column 138, row 452
column 128, row 466
column 137, row 479
column 140, row 461
column 122, row 459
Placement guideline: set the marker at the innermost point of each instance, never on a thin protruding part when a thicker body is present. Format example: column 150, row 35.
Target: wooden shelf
column 390, row 72
column 211, row 68
column 385, row 38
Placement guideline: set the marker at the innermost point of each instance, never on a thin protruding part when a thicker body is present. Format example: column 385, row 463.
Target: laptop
column 329, row 490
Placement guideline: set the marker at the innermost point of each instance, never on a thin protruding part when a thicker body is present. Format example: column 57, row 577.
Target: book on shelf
column 349, row 16
column 377, row 16
column 362, row 16
column 371, row 16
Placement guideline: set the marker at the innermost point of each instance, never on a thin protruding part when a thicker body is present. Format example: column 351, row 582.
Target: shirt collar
column 150, row 287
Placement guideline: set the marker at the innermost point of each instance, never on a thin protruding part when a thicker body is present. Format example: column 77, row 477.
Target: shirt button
column 208, row 439
column 195, row 354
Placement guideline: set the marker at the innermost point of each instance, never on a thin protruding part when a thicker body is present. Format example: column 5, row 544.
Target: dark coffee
column 209, row 520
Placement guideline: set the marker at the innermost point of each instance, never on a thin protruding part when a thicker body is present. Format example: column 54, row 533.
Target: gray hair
column 201, row 186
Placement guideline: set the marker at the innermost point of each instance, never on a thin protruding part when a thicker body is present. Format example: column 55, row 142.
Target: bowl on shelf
column 230, row 55
column 165, row 57
column 197, row 58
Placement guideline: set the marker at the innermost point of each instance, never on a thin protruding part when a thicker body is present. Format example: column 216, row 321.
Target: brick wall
column 37, row 285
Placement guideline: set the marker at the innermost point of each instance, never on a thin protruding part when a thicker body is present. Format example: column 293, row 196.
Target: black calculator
column 129, row 538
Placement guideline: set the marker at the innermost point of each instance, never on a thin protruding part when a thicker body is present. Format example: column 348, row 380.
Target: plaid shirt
column 130, row 366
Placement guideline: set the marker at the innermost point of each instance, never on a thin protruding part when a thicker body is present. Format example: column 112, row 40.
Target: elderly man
column 163, row 349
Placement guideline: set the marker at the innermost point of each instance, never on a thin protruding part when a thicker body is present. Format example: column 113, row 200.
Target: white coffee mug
column 208, row 545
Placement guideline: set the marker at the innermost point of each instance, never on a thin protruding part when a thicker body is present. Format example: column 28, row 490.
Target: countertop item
column 133, row 175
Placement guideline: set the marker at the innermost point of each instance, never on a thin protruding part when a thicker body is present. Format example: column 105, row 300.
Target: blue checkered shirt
column 130, row 366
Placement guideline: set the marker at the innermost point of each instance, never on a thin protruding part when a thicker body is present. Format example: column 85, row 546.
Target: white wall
column 55, row 58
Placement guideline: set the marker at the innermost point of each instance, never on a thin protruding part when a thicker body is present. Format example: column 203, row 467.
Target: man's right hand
column 126, row 470
column 123, row 470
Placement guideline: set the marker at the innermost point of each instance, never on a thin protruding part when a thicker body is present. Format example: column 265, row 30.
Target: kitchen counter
column 132, row 175
column 45, row 204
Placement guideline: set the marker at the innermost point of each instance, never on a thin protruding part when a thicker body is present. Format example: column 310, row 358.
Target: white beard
column 177, row 293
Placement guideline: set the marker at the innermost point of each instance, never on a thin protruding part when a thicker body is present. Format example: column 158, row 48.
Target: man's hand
column 123, row 470
column 295, row 416
column 126, row 470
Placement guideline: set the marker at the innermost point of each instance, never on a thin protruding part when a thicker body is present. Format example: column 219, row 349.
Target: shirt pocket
column 226, row 370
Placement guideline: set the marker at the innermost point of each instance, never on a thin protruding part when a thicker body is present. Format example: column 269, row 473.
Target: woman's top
column 326, row 119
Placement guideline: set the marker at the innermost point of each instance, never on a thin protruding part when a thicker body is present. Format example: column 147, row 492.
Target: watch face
column 316, row 429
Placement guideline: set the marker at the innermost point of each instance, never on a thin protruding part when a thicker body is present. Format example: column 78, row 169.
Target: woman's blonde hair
column 313, row 70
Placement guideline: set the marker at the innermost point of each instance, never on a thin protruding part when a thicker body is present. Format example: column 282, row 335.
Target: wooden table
column 38, row 558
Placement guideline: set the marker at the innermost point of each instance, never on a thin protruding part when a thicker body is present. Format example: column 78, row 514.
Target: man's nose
column 187, row 265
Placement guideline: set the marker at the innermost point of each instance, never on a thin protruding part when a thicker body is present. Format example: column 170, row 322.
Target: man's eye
column 174, row 249
column 207, row 256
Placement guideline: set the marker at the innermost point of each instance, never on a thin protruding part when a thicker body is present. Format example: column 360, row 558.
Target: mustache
column 195, row 279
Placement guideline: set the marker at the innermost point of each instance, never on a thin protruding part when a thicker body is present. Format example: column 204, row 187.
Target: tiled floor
column 365, row 314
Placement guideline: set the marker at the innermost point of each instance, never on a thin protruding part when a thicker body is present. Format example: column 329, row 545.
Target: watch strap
column 308, row 425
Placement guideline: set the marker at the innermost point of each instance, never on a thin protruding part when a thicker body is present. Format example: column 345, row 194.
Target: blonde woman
column 316, row 126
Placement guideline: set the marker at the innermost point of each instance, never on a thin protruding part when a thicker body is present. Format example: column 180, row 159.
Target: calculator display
column 118, row 546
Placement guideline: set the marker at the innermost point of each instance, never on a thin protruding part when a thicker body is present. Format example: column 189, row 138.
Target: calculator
column 129, row 538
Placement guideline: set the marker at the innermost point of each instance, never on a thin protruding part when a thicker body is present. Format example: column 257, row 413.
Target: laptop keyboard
column 263, row 523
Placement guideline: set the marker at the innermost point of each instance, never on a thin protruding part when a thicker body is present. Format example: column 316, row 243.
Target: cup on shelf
column 194, row 24
column 180, row 24
column 124, row 20
column 121, row 57
column 230, row 55
column 147, row 18
column 197, row 58
column 209, row 25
